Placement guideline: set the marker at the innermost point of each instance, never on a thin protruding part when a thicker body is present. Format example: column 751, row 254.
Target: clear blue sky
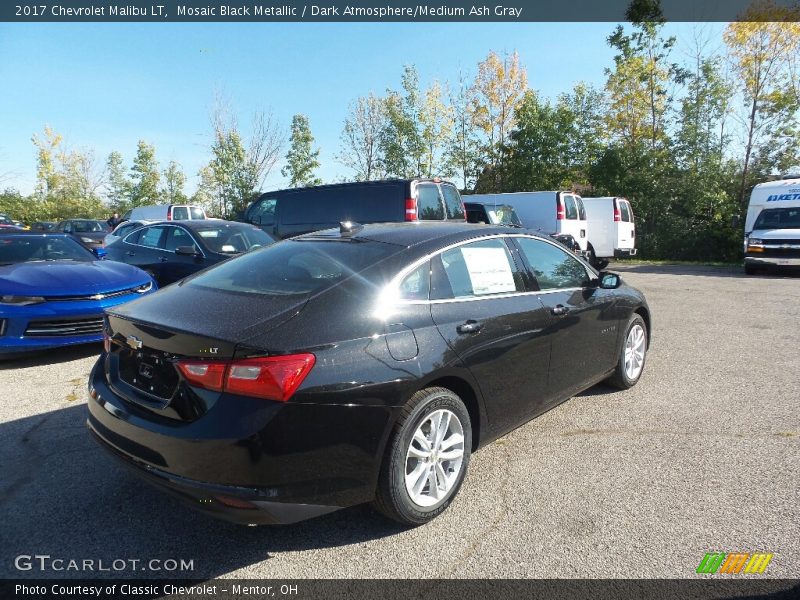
column 105, row 86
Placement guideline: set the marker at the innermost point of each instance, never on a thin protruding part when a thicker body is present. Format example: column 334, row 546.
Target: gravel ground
column 702, row 455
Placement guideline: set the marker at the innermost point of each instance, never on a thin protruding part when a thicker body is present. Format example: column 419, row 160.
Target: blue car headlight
column 144, row 288
column 21, row 300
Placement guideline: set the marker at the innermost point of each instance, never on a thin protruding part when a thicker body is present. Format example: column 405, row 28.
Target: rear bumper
column 624, row 252
column 247, row 460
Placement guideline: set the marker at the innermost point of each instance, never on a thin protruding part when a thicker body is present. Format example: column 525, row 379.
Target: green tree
column 402, row 146
column 360, row 138
column 436, row 122
column 118, row 184
column 145, row 176
column 302, row 157
column 174, row 180
column 463, row 153
column 762, row 48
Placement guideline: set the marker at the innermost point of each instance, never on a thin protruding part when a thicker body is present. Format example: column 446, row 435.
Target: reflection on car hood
column 68, row 278
column 212, row 313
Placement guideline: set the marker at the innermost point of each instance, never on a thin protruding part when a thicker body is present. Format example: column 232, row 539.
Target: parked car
column 357, row 364
column 772, row 226
column 546, row 212
column 6, row 222
column 171, row 250
column 292, row 212
column 88, row 232
column 165, row 212
column 491, row 213
column 43, row 225
column 612, row 231
column 53, row 291
column 122, row 229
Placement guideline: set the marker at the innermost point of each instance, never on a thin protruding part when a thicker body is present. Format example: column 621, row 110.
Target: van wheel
column 426, row 458
column 632, row 355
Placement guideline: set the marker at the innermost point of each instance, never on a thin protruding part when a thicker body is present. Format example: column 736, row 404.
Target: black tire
column 750, row 269
column 620, row 378
column 392, row 499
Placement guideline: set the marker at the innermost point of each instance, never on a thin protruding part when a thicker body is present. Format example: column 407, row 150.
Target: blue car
column 53, row 291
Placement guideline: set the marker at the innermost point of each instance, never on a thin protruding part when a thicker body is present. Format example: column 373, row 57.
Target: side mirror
column 736, row 221
column 100, row 253
column 609, row 281
column 185, row 251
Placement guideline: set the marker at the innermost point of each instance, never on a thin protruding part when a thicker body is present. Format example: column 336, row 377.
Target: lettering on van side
column 779, row 197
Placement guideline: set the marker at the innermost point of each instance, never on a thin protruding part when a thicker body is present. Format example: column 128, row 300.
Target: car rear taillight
column 169, row 215
column 561, row 212
column 617, row 214
column 271, row 378
column 411, row 209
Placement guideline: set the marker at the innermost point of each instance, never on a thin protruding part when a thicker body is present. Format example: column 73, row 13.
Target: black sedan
column 172, row 250
column 355, row 365
column 88, row 232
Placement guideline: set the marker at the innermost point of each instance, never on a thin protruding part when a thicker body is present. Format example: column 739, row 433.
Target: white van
column 548, row 212
column 612, row 232
column 165, row 212
column 772, row 225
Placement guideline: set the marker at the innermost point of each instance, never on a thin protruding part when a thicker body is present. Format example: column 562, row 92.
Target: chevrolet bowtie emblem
column 134, row 342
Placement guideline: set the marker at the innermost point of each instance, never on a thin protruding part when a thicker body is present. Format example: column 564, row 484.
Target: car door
column 484, row 310
column 143, row 248
column 176, row 266
column 583, row 320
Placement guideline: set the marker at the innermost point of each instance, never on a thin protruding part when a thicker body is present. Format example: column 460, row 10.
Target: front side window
column 477, row 269
column 429, row 204
column 263, row 213
column 571, row 207
column 553, row 268
column 452, row 201
column 176, row 237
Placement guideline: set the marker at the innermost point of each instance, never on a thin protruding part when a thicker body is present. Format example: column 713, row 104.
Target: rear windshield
column 32, row 248
column 778, row 218
column 581, row 209
column 294, row 267
column 88, row 227
column 197, row 213
column 452, row 201
column 229, row 238
column 571, row 208
column 180, row 213
column 625, row 211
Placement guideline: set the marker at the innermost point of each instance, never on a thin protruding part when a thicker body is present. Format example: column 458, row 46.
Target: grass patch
column 696, row 263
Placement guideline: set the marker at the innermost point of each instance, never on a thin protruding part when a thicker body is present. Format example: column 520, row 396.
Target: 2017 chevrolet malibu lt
column 53, row 291
column 353, row 365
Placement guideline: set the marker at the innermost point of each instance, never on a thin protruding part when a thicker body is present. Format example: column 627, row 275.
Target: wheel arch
column 643, row 312
column 469, row 396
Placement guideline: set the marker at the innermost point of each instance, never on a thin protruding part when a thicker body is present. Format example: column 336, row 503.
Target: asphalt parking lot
column 702, row 455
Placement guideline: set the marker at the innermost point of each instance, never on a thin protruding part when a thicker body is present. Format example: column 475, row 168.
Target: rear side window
column 625, row 211
column 570, row 207
column 180, row 213
column 478, row 269
column 429, row 204
column 416, row 285
column 553, row 268
column 122, row 230
column 452, row 202
column 581, row 209
column 151, row 237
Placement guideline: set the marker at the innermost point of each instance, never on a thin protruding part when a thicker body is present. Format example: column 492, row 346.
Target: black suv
column 292, row 212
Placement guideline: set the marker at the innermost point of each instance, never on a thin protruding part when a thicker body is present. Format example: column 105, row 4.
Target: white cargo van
column 165, row 212
column 548, row 212
column 612, row 232
column 772, row 225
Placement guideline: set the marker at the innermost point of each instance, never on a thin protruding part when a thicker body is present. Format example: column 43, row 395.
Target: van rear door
column 626, row 229
column 571, row 222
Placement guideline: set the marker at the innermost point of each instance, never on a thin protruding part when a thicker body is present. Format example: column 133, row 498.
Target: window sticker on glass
column 489, row 270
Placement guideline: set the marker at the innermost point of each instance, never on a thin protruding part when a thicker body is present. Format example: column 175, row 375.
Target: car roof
column 424, row 235
column 374, row 182
column 194, row 224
